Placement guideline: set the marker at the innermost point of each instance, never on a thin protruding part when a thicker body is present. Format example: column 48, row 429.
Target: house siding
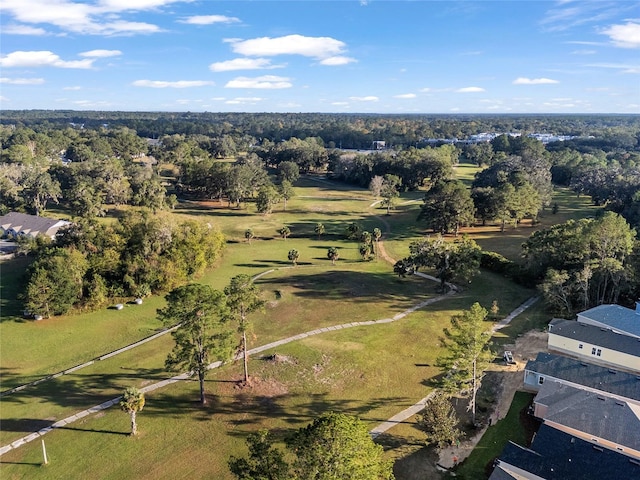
column 606, row 357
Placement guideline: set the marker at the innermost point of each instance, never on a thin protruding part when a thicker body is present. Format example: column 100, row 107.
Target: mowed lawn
column 373, row 372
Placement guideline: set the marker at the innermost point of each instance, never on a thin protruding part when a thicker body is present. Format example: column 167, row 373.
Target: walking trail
column 393, row 421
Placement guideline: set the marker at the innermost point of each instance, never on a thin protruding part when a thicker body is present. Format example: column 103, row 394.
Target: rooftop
column 555, row 455
column 615, row 316
column 615, row 382
column 593, row 335
column 32, row 225
column 595, row 414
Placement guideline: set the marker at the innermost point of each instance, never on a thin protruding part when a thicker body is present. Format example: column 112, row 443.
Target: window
column 598, row 352
column 580, row 346
column 540, row 380
column 593, row 351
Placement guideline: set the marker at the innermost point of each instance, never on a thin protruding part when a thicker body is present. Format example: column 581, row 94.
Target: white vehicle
column 508, row 358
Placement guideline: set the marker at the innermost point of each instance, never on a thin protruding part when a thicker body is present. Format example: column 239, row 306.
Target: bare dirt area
column 502, row 381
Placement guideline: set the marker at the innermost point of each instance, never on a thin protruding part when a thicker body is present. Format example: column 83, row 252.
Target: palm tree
column 293, row 256
column 285, row 232
column 132, row 402
column 248, row 234
column 319, row 229
column 332, row 254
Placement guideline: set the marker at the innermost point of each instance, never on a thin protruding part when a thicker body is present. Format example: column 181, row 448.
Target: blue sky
column 321, row 56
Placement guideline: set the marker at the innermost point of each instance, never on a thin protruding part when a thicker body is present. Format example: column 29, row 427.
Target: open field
column 372, row 372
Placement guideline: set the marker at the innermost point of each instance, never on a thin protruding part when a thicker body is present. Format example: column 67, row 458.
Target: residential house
column 15, row 224
column 595, row 344
column 614, row 317
column 556, row 455
column 549, row 367
column 593, row 417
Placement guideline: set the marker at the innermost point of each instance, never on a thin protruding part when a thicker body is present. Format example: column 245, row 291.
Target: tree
column 38, row 189
column 447, row 205
column 354, row 231
column 389, row 190
column 467, row 353
column 293, row 256
column 338, row 446
column 439, row 421
column 376, row 185
column 459, row 260
column 377, row 234
column 284, row 232
column 319, row 229
column 132, row 402
column 365, row 251
column 202, row 335
column 243, row 298
column 333, row 255
column 264, row 462
column 248, row 234
column 288, row 171
column 266, row 199
column 286, row 191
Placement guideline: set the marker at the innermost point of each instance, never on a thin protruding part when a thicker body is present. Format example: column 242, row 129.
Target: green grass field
column 373, row 372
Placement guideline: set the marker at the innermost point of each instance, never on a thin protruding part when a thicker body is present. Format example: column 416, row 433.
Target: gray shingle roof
column 555, row 455
column 593, row 335
column 608, row 380
column 597, row 415
column 615, row 316
column 31, row 225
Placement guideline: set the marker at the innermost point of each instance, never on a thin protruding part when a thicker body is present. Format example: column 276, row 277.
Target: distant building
column 15, row 224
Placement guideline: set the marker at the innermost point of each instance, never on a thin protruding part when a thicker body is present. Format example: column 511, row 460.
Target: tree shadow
column 25, row 425
column 93, row 430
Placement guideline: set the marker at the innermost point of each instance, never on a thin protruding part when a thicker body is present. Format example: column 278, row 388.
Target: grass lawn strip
column 185, row 376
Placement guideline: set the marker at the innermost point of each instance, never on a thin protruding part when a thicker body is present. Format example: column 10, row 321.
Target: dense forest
column 90, row 162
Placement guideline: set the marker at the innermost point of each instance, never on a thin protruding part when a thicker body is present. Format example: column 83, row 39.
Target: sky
column 345, row 56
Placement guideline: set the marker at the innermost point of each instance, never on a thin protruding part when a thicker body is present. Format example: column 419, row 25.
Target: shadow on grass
column 25, row 425
column 93, row 430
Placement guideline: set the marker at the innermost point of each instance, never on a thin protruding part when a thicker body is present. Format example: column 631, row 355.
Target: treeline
column 354, row 131
column 91, row 263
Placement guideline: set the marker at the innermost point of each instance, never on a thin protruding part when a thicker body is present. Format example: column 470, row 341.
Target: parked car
column 508, row 358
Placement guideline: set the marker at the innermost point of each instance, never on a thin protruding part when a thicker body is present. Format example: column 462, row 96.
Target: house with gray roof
column 594, row 417
column 556, row 455
column 15, row 224
column 614, row 317
column 549, row 367
column 599, row 345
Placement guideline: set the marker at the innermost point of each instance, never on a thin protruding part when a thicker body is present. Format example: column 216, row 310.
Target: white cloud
column 370, row 98
column 533, row 81
column 264, row 82
column 340, row 104
column 100, row 18
column 470, row 90
column 244, row 101
column 337, row 60
column 425, row 90
column 22, row 30
column 43, row 58
column 4, row 99
column 624, row 36
column 22, row 81
column 208, row 19
column 405, row 95
column 624, row 67
column 315, row 47
column 242, row 64
column 72, row 88
column 176, row 84
column 101, row 53
column 584, row 52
